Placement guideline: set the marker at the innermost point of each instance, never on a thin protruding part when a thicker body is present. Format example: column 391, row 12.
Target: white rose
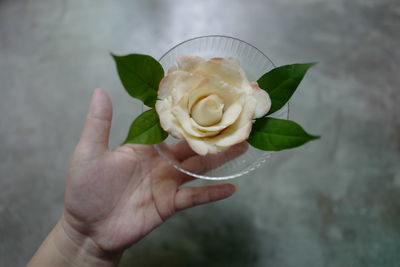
column 210, row 103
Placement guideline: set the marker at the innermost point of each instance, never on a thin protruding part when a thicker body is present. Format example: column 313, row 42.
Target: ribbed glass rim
column 214, row 36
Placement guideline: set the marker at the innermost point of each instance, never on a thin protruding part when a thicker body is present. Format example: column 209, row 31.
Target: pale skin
column 115, row 197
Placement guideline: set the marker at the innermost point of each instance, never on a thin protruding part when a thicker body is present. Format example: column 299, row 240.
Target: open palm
column 117, row 197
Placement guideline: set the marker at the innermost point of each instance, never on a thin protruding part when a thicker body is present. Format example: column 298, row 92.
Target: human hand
column 114, row 198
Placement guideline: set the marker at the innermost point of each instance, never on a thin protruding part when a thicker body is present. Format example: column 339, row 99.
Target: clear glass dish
column 255, row 63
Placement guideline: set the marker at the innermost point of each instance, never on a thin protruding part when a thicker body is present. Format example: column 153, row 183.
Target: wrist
column 80, row 250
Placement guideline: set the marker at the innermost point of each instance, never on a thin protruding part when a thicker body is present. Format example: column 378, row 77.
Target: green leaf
column 140, row 75
column 281, row 83
column 146, row 129
column 275, row 134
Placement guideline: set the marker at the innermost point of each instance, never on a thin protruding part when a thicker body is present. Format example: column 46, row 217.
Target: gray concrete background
column 334, row 202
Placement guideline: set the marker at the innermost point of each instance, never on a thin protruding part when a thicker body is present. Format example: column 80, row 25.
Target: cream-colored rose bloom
column 210, row 103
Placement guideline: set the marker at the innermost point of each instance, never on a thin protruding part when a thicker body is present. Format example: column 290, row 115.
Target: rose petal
column 263, row 101
column 188, row 62
column 214, row 85
column 230, row 115
column 228, row 69
column 167, row 120
column 208, row 111
column 240, row 130
column 181, row 113
column 233, row 135
column 233, row 102
column 177, row 83
column 172, row 69
column 202, row 147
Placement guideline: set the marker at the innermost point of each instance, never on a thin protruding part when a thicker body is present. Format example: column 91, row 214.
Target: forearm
column 64, row 247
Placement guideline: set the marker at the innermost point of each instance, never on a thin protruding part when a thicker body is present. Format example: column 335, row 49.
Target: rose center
column 208, row 111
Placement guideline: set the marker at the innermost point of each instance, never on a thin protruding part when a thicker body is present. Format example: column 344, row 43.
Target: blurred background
column 333, row 202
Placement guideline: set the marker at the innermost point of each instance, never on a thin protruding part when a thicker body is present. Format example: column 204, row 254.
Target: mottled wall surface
column 334, row 202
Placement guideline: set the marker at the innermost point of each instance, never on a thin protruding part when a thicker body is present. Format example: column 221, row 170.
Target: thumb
column 96, row 131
